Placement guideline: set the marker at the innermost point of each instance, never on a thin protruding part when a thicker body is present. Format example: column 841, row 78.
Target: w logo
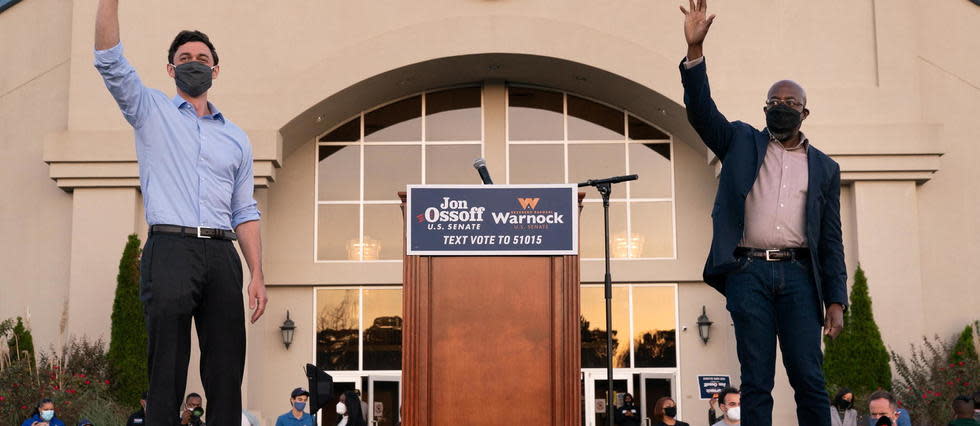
column 528, row 203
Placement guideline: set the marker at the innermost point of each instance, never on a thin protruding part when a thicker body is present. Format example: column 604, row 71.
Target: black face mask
column 193, row 78
column 843, row 404
column 781, row 120
column 670, row 411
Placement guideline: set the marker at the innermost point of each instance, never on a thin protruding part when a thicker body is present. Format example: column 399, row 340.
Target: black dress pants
column 183, row 278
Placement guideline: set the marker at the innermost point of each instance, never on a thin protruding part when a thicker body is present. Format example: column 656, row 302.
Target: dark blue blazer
column 741, row 149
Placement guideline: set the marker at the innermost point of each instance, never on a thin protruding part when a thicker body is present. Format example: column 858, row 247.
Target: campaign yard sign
column 711, row 385
column 507, row 220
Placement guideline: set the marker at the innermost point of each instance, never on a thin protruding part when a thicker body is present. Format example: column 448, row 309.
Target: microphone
column 481, row 167
column 617, row 179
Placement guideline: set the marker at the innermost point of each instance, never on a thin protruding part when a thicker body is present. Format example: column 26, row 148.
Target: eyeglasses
column 792, row 103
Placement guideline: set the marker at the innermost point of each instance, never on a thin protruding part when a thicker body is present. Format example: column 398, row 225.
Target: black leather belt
column 774, row 255
column 197, row 232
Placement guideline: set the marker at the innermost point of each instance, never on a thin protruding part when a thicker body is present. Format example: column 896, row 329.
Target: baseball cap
column 298, row 392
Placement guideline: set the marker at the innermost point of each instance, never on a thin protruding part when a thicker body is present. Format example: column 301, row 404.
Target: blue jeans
column 778, row 299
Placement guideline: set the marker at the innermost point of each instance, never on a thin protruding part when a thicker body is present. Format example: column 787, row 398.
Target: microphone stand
column 604, row 186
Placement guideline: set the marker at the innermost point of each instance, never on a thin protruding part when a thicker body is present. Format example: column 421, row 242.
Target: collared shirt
column 194, row 171
column 289, row 419
column 775, row 209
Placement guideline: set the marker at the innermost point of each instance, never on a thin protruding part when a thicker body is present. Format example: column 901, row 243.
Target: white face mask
column 734, row 413
column 47, row 415
column 341, row 408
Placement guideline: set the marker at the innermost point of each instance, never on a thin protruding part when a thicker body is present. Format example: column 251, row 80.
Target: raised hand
column 696, row 24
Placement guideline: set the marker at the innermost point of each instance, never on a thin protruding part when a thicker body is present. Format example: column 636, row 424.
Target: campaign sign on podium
column 475, row 220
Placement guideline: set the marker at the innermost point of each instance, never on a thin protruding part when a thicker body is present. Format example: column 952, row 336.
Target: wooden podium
column 491, row 340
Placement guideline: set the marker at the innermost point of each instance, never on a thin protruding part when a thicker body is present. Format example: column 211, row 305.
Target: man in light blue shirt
column 196, row 177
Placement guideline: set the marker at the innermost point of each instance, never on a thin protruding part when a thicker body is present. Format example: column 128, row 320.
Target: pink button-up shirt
column 775, row 209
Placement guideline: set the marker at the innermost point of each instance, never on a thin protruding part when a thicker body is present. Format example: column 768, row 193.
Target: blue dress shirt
column 194, row 171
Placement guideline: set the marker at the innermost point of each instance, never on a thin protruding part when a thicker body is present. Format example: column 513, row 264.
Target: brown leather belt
column 774, row 255
column 196, row 232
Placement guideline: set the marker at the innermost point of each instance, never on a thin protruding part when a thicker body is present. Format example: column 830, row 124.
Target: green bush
column 20, row 342
column 127, row 344
column 964, row 349
column 74, row 379
column 857, row 359
column 928, row 381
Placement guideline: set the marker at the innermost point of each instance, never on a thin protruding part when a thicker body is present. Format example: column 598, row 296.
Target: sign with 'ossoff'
column 462, row 220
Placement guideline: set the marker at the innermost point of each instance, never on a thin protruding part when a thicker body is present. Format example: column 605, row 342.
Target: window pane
column 652, row 163
column 653, row 225
column 535, row 115
column 347, row 132
column 453, row 115
column 383, row 225
column 338, row 224
column 654, row 326
column 388, row 168
column 537, row 164
column 337, row 327
column 640, row 130
column 596, row 161
column 593, row 327
column 588, row 120
column 339, row 173
column 383, row 329
column 451, row 164
column 397, row 122
column 591, row 235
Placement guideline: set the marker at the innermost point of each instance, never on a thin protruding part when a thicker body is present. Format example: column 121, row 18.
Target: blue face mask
column 47, row 415
column 299, row 406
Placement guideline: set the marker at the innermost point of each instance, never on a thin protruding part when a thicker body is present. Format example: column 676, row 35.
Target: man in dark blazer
column 776, row 253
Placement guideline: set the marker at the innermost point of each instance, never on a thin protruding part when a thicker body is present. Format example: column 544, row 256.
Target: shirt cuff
column 693, row 63
column 247, row 215
column 110, row 55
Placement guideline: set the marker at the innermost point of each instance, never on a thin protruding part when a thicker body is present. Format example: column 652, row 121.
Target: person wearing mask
column 138, row 418
column 731, row 407
column 296, row 416
column 43, row 415
column 665, row 413
column 963, row 412
column 777, row 251
column 193, row 410
column 349, row 410
column 882, row 404
column 627, row 414
column 842, row 412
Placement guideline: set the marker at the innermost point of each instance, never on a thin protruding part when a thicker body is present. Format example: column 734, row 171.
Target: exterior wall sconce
column 287, row 328
column 704, row 325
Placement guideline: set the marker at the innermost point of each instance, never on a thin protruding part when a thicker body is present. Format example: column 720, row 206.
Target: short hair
column 188, row 36
column 883, row 394
column 727, row 391
column 192, row 395
column 963, row 406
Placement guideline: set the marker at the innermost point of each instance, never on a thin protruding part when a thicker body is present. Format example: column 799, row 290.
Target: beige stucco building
column 346, row 102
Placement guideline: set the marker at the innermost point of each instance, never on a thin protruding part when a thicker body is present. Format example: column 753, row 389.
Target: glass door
column 654, row 386
column 596, row 407
column 384, row 400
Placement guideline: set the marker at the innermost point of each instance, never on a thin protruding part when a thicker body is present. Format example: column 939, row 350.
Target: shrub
column 857, row 359
column 74, row 379
column 127, row 344
column 928, row 381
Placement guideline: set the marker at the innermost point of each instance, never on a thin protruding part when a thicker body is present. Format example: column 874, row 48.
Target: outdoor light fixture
column 704, row 325
column 287, row 328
